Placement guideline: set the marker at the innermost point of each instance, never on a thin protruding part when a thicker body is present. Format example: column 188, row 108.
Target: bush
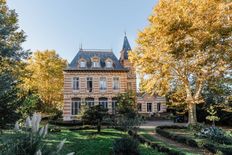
column 215, row 134
column 126, row 146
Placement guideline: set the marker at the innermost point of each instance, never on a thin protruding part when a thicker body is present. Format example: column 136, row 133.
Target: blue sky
column 63, row 25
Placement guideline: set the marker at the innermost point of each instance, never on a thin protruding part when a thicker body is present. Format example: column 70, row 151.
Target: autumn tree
column 186, row 43
column 12, row 64
column 45, row 77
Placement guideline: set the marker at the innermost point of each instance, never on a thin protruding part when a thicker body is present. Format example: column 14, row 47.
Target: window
column 89, row 84
column 115, row 83
column 139, row 107
column 82, row 64
column 75, row 84
column 102, row 83
column 108, row 64
column 89, row 102
column 76, row 106
column 103, row 102
column 96, row 64
column 158, row 106
column 114, row 106
column 149, row 107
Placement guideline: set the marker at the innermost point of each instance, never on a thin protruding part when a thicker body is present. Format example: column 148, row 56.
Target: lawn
column 87, row 142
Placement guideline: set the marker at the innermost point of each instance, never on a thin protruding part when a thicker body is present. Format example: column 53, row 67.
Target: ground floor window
column 114, row 106
column 139, row 107
column 103, row 102
column 158, row 106
column 149, row 107
column 76, row 106
column 89, row 102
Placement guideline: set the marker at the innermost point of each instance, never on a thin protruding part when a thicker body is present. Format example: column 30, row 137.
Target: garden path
column 154, row 124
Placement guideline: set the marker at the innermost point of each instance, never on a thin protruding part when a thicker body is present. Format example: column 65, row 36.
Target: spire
column 125, row 48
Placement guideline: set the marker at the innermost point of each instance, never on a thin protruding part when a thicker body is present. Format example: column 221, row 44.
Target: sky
column 65, row 25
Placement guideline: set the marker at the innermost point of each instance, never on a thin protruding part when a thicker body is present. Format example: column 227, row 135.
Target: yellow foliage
column 45, row 76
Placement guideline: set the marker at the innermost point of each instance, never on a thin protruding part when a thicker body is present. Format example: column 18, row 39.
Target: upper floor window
column 108, row 64
column 115, row 83
column 82, row 63
column 96, row 64
column 89, row 84
column 102, row 83
column 75, row 83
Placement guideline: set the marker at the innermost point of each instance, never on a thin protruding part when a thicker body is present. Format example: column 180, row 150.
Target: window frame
column 75, row 106
column 149, row 106
column 113, row 83
column 100, row 86
column 75, row 83
column 88, row 85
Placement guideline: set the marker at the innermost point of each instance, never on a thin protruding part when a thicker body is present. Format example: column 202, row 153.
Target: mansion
column 97, row 77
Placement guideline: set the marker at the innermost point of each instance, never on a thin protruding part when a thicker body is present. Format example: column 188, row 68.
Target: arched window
column 103, row 102
column 76, row 106
column 114, row 105
column 89, row 102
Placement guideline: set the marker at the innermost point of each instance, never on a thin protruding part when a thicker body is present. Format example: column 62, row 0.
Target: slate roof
column 102, row 54
column 126, row 47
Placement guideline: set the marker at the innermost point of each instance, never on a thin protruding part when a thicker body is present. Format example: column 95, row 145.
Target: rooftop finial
column 125, row 33
column 80, row 46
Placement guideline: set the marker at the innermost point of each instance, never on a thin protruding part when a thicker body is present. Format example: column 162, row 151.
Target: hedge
column 181, row 139
column 154, row 145
column 214, row 148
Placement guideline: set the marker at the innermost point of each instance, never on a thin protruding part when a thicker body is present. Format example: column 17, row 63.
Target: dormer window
column 108, row 64
column 82, row 64
column 95, row 62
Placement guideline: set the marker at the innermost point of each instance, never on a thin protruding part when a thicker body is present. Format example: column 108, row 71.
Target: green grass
column 88, row 142
column 145, row 134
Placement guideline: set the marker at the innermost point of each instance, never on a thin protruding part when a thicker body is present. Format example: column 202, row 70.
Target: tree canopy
column 45, row 77
column 12, row 64
column 185, row 44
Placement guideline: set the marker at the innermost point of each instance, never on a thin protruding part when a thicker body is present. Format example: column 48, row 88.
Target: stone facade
column 150, row 105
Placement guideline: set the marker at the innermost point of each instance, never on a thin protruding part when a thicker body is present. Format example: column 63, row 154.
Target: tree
column 12, row 64
column 212, row 115
column 126, row 104
column 94, row 115
column 45, row 77
column 186, row 44
column 127, row 116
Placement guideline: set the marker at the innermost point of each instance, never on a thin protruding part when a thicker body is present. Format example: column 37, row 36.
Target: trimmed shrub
column 126, row 146
column 154, row 145
column 181, row 139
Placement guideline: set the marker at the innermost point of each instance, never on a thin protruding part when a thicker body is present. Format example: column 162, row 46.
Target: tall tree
column 11, row 63
column 45, row 77
column 186, row 43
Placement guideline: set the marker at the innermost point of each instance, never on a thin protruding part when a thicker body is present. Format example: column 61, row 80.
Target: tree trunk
column 192, row 119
